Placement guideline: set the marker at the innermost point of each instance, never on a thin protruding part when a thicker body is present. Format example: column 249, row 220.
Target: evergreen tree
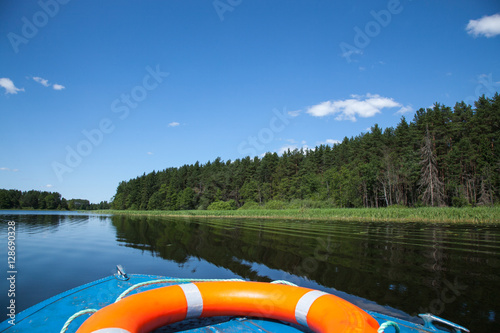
column 430, row 184
column 443, row 156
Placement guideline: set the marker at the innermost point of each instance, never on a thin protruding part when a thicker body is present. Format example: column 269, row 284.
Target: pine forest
column 444, row 157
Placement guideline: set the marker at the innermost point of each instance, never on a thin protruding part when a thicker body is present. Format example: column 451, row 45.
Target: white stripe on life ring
column 304, row 304
column 194, row 300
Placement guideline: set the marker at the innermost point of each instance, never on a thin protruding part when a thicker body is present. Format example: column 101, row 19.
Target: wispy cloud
column 286, row 148
column 405, row 109
column 292, row 147
column 330, row 142
column 45, row 83
column 294, row 113
column 488, row 26
column 349, row 53
column 173, row 124
column 357, row 106
column 149, row 153
column 49, row 185
column 8, row 169
column 9, row 86
column 42, row 81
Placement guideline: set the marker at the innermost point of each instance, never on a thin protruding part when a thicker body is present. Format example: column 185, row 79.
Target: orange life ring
column 143, row 312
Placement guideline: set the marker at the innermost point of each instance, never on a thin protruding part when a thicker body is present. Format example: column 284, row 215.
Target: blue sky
column 96, row 92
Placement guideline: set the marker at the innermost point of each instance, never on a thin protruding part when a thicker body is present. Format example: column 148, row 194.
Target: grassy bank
column 396, row 214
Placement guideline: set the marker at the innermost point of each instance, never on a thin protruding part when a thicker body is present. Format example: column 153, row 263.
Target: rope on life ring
column 143, row 312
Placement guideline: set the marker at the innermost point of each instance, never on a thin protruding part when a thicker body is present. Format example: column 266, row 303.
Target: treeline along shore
column 444, row 157
column 44, row 200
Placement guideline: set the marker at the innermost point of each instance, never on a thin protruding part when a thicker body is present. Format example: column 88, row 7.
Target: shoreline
column 476, row 215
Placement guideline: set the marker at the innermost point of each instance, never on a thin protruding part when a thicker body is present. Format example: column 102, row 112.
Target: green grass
column 396, row 214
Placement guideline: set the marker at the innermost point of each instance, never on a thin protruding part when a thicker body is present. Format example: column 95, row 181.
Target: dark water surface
column 395, row 268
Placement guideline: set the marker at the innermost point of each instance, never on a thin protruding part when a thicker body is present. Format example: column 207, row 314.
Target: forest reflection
column 450, row 270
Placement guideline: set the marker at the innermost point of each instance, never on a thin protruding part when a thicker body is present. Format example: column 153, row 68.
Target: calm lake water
column 399, row 269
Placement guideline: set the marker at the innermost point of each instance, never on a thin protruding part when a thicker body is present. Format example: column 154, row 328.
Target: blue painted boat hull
column 51, row 314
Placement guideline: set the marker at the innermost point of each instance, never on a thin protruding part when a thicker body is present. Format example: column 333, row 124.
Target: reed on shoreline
column 392, row 214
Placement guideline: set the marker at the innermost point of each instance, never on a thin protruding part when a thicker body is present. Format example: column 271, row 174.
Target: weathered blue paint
column 51, row 314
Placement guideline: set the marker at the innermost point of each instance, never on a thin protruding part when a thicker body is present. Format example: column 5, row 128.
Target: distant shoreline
column 479, row 215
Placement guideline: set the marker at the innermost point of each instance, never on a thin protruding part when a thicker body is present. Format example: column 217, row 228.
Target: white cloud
column 9, row 86
column 330, row 142
column 8, row 169
column 488, row 26
column 321, row 110
column 45, row 83
column 358, row 106
column 49, row 185
column 149, row 153
column 285, row 148
column 42, row 81
column 405, row 109
column 173, row 124
column 349, row 53
column 294, row 113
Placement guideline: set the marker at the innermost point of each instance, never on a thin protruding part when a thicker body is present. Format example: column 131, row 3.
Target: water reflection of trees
column 36, row 223
column 409, row 267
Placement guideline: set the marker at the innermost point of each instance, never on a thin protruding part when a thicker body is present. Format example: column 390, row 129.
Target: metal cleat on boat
column 120, row 273
column 443, row 325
